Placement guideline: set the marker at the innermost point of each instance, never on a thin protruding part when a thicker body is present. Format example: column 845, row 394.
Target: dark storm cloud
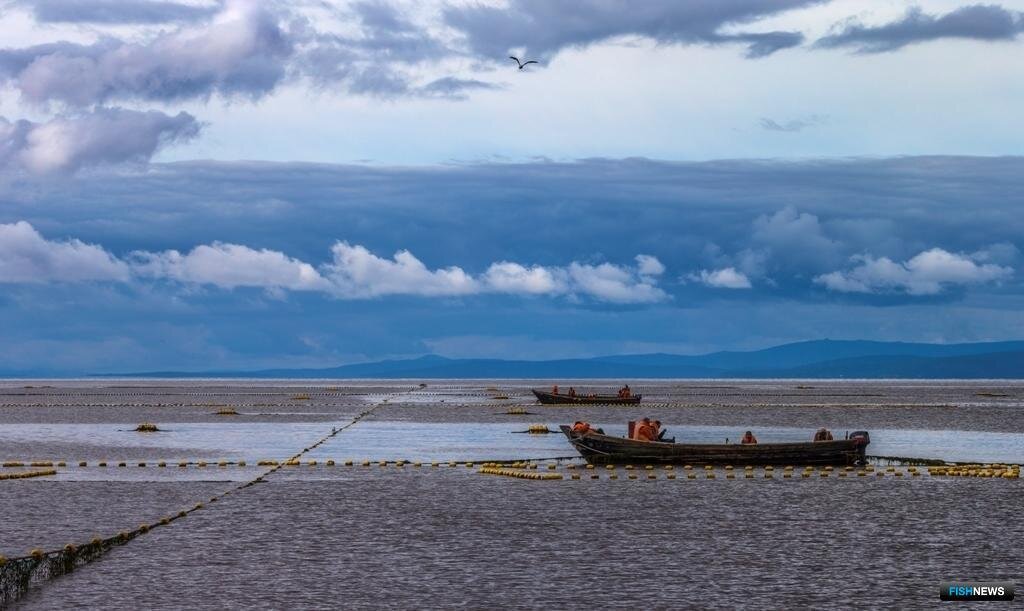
column 104, row 136
column 541, row 28
column 116, row 11
column 917, row 248
column 780, row 224
column 987, row 22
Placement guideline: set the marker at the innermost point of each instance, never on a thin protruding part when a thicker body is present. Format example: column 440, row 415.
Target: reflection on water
column 255, row 441
column 236, row 440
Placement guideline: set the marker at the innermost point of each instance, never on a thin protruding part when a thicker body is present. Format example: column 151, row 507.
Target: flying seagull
column 522, row 64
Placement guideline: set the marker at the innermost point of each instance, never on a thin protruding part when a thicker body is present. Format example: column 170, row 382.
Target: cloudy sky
column 236, row 184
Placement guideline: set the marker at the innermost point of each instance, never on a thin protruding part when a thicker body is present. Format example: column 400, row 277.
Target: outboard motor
column 861, row 437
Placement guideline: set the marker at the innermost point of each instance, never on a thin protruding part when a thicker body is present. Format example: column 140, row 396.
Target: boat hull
column 560, row 399
column 605, row 449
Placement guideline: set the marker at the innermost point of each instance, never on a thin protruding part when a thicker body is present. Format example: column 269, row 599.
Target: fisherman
column 823, row 434
column 554, row 389
column 572, row 391
column 644, row 431
column 748, row 438
column 581, row 428
column 626, row 392
column 659, row 433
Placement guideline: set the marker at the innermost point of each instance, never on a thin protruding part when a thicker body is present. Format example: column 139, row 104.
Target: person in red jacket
column 748, row 438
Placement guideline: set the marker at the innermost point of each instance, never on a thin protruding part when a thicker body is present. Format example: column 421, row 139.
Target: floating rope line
column 525, row 470
column 27, row 474
column 570, row 462
column 17, row 575
column 519, row 473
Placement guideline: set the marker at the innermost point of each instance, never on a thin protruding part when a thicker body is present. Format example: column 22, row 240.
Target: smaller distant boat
column 563, row 399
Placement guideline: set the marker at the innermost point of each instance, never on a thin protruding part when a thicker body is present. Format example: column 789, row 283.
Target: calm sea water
column 444, row 537
column 390, row 440
column 451, row 538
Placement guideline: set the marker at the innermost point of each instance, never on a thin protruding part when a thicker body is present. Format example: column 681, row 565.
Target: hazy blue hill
column 820, row 358
column 379, row 369
column 815, row 351
column 1004, row 365
column 436, row 367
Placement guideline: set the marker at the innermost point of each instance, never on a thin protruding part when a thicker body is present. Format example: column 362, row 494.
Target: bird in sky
column 522, row 64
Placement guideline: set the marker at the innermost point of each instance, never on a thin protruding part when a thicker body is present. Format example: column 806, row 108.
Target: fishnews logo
column 988, row 590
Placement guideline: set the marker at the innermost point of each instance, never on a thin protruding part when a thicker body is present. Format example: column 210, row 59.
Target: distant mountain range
column 811, row 359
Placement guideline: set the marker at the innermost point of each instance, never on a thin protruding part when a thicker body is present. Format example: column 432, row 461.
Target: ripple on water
column 451, row 538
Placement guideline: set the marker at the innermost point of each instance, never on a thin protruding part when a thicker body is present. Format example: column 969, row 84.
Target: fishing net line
column 18, row 575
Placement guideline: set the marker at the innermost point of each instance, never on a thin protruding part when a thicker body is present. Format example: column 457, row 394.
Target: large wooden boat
column 606, row 449
column 562, row 398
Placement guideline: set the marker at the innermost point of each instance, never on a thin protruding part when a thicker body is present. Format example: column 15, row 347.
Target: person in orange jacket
column 644, row 431
column 582, row 428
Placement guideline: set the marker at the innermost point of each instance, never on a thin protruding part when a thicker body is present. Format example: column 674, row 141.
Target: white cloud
column 648, row 265
column 614, row 283
column 230, row 266
column 927, row 273
column 353, row 272
column 507, row 277
column 102, row 136
column 725, row 278
column 27, row 257
column 356, row 272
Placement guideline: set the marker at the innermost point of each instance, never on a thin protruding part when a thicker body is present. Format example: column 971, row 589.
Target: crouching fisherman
column 581, row 428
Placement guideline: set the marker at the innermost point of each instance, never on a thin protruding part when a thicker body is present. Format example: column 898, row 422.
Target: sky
column 197, row 185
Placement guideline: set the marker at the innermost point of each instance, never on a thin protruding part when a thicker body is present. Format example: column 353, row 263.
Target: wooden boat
column 560, row 398
column 606, row 449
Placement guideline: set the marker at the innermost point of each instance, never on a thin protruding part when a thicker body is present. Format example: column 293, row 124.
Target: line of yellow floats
column 1006, row 471
column 527, row 470
column 28, row 474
